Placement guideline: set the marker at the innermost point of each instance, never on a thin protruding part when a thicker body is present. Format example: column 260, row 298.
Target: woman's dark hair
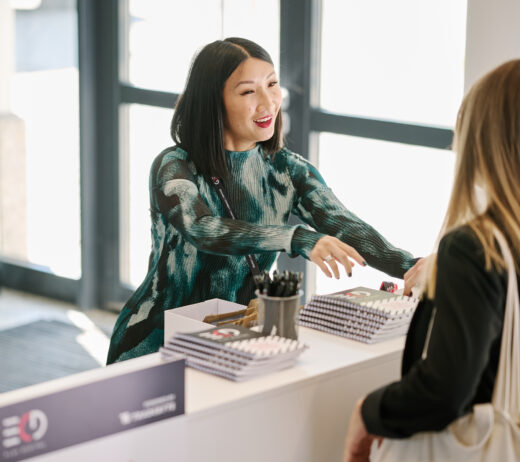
column 198, row 121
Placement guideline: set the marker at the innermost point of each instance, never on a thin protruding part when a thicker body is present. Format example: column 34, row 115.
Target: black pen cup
column 279, row 315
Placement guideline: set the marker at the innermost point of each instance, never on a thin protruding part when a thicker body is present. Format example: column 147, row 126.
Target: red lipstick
column 264, row 122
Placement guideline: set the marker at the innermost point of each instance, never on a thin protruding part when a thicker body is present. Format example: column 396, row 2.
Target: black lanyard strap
column 251, row 260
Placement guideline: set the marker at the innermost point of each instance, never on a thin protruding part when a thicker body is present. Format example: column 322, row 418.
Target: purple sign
column 86, row 412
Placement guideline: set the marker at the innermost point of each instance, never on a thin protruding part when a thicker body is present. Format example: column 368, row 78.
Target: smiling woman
column 228, row 124
column 225, row 106
column 252, row 98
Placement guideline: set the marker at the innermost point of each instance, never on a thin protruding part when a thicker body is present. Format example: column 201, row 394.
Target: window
column 390, row 79
column 400, row 60
column 163, row 36
column 393, row 110
column 148, row 131
column 39, row 129
column 401, row 190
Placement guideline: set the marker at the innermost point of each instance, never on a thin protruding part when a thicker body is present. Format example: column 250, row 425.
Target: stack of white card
column 362, row 314
column 234, row 352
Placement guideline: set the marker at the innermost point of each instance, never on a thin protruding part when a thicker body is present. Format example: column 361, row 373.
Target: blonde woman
column 466, row 286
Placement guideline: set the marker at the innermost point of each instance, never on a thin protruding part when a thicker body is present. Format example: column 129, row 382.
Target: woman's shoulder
column 172, row 153
column 462, row 236
column 289, row 156
column 171, row 162
column 296, row 163
column 462, row 246
column 461, row 241
column 462, row 261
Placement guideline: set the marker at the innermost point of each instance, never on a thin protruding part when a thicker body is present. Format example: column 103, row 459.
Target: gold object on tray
column 244, row 318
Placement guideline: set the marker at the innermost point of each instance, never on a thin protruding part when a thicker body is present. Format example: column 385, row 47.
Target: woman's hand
column 358, row 441
column 329, row 251
column 413, row 275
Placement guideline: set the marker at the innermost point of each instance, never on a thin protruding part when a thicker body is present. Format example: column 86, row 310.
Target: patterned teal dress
column 198, row 254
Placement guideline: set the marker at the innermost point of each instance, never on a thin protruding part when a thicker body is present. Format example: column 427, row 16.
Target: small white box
column 189, row 318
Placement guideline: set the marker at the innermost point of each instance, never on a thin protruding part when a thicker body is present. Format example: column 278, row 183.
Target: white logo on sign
column 151, row 408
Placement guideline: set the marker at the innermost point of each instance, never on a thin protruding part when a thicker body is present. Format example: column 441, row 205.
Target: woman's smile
column 264, row 122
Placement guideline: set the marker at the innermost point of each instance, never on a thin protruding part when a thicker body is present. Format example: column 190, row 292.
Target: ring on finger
column 328, row 258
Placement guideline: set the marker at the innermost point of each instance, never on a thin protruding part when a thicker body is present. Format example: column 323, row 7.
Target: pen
column 282, row 284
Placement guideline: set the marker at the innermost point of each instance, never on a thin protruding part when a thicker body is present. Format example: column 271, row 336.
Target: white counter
column 299, row 414
column 327, row 357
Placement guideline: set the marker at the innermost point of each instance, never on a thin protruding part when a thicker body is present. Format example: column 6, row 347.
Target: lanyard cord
column 251, row 260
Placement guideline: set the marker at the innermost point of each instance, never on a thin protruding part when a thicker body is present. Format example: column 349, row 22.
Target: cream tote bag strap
column 506, row 394
column 491, row 433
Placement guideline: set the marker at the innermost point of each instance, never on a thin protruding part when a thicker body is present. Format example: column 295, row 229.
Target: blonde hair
column 487, row 144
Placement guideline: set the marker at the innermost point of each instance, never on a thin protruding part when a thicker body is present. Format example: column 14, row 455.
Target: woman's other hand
column 329, row 251
column 358, row 441
column 413, row 276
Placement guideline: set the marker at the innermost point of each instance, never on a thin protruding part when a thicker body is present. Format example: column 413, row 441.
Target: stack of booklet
column 234, row 352
column 362, row 314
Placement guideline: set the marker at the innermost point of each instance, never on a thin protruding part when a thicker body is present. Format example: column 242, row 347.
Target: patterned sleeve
column 176, row 197
column 317, row 206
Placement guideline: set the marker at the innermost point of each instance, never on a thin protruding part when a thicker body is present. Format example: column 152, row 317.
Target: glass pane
column 39, row 136
column 163, row 36
column 149, row 134
column 400, row 60
column 401, row 190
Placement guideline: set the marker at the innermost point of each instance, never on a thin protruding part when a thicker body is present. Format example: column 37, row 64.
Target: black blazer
column 463, row 352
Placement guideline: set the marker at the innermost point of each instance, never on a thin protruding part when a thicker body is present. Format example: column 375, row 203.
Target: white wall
column 6, row 54
column 492, row 36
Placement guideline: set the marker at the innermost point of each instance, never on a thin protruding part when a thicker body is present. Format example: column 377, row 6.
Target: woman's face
column 252, row 99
